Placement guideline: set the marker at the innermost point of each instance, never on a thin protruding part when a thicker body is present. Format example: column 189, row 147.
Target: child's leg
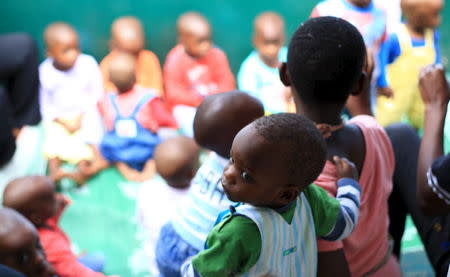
column 127, row 172
column 55, row 171
column 148, row 171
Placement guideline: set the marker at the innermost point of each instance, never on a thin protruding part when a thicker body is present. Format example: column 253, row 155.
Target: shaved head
column 176, row 160
column 127, row 35
column 269, row 24
column 221, row 116
column 122, row 71
column 269, row 37
column 58, row 32
column 194, row 33
column 192, row 23
column 14, row 230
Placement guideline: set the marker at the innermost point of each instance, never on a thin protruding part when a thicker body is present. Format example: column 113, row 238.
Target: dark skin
column 421, row 15
column 20, row 248
column 194, row 33
column 346, row 142
column 127, row 35
column 435, row 94
column 269, row 37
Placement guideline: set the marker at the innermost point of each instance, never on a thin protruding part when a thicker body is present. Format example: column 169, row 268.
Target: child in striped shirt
column 272, row 232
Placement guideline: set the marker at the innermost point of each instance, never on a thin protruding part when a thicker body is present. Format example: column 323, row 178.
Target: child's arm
column 435, row 94
column 335, row 218
column 222, row 72
column 247, row 79
column 234, row 247
column 389, row 52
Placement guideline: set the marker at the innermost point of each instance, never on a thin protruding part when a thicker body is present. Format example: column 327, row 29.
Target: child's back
column 362, row 140
column 127, row 36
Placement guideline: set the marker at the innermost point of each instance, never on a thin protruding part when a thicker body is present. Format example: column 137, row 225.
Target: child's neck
column 417, row 32
column 322, row 113
column 273, row 63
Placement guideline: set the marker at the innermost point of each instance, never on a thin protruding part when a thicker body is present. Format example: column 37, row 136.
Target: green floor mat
column 102, row 218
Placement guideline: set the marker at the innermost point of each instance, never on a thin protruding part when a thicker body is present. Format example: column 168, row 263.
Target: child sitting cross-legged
column 272, row 232
column 132, row 116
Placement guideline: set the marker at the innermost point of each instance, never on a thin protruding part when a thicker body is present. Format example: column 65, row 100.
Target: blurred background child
column 412, row 46
column 194, row 69
column 70, row 88
column 258, row 74
column 127, row 35
column 132, row 117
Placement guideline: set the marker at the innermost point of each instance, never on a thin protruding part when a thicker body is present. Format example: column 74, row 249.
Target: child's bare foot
column 128, row 173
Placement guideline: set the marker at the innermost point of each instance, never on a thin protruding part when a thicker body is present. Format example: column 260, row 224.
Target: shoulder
column 250, row 60
column 216, row 52
column 147, row 55
column 46, row 67
column 87, row 59
column 175, row 54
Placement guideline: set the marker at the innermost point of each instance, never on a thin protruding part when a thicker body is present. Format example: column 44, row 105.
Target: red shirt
column 187, row 80
column 56, row 245
column 153, row 115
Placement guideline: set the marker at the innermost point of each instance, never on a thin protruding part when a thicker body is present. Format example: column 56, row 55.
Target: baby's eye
column 245, row 176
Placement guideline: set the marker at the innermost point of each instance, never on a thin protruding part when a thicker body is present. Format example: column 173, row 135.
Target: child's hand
column 433, row 86
column 345, row 168
column 74, row 125
column 387, row 92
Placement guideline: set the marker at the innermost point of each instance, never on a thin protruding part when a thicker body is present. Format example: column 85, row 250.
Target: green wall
column 231, row 21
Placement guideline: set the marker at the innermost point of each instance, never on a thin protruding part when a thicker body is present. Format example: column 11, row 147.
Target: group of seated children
column 273, row 195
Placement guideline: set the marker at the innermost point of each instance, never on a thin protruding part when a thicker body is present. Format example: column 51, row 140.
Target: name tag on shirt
column 126, row 128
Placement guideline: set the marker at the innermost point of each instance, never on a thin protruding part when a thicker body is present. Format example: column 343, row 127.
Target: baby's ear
column 289, row 194
column 284, row 75
column 362, row 85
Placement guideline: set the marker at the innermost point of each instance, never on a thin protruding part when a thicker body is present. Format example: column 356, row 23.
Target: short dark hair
column 307, row 150
column 325, row 59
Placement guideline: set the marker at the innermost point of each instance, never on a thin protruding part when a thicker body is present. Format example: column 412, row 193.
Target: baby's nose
column 229, row 174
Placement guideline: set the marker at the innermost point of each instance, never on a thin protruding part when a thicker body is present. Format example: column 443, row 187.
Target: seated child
column 70, row 88
column 127, row 35
column 218, row 119
column 272, row 232
column 35, row 198
column 412, row 46
column 20, row 248
column 132, row 117
column 176, row 161
column 194, row 69
column 259, row 74
column 325, row 64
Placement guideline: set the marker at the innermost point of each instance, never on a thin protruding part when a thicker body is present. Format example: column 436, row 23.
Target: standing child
column 259, row 74
column 194, row 69
column 325, row 65
column 20, row 248
column 176, row 161
column 413, row 46
column 35, row 198
column 217, row 121
column 71, row 85
column 127, row 35
column 272, row 164
column 132, row 117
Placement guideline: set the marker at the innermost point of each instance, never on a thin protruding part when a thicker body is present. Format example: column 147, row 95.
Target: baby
column 132, row 117
column 272, row 232
column 35, row 198
column 258, row 74
column 194, row 69
column 127, row 36
column 70, row 88
column 20, row 248
column 176, row 161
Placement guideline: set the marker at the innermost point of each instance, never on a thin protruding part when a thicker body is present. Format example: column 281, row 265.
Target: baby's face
column 65, row 51
column 198, row 43
column 256, row 173
column 268, row 42
column 431, row 13
column 23, row 252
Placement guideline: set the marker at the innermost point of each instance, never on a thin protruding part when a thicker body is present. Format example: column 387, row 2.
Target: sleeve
column 335, row 218
column 389, row 52
column 62, row 259
column 177, row 90
column 222, row 74
column 151, row 75
column 247, row 79
column 234, row 247
column 96, row 83
column 439, row 178
column 437, row 50
column 160, row 113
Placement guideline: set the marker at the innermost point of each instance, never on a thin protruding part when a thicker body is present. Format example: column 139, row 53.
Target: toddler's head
column 127, row 35
column 176, row 160
column 62, row 45
column 194, row 33
column 20, row 248
column 325, row 62
column 34, row 197
column 422, row 13
column 268, row 36
column 122, row 71
column 273, row 159
column 360, row 3
column 221, row 116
